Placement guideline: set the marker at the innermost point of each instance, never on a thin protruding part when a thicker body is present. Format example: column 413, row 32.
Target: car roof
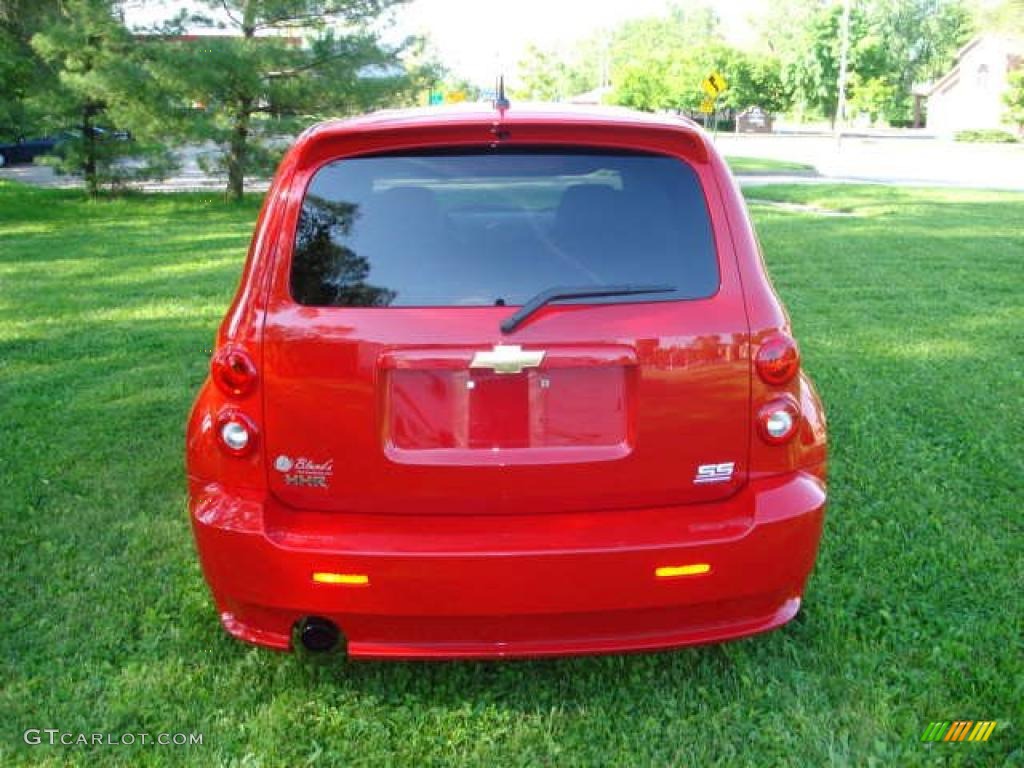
column 487, row 113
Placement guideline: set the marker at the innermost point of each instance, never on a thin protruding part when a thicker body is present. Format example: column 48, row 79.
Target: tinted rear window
column 486, row 228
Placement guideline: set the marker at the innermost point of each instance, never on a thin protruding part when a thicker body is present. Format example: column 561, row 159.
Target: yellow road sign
column 714, row 84
column 707, row 106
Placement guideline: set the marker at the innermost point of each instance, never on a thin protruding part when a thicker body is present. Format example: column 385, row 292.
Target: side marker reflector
column 671, row 571
column 349, row 579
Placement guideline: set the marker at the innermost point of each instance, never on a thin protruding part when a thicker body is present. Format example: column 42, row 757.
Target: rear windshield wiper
column 512, row 322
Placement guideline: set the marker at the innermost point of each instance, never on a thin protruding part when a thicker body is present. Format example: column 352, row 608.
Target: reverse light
column 233, row 370
column 777, row 359
column 672, row 571
column 236, row 432
column 349, row 579
column 778, row 420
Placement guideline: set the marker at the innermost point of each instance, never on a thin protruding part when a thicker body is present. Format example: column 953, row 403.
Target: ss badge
column 714, row 473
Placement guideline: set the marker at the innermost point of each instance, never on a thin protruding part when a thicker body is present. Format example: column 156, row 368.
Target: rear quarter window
column 484, row 228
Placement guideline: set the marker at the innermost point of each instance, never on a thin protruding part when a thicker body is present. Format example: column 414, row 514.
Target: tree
column 894, row 44
column 658, row 62
column 671, row 79
column 1005, row 16
column 873, row 96
column 289, row 63
column 543, row 75
column 549, row 75
column 813, row 70
column 22, row 73
column 1014, row 98
column 100, row 85
column 913, row 41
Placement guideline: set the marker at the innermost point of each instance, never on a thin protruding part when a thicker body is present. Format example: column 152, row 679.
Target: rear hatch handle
column 513, row 321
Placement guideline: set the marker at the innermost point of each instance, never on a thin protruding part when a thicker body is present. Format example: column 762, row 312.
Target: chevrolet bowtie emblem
column 507, row 358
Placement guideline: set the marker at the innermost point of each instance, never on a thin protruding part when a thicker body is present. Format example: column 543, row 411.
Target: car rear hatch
column 391, row 387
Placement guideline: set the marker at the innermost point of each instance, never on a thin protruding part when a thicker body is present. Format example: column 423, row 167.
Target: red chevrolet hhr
column 505, row 381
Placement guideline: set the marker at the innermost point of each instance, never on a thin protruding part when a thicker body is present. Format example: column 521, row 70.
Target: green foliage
column 290, row 63
column 24, row 77
column 757, row 81
column 915, row 41
column 454, row 84
column 118, row 160
column 543, row 75
column 986, row 136
column 1014, row 99
column 894, row 44
column 876, row 97
column 242, row 92
column 548, row 76
column 658, row 63
column 646, row 83
column 100, row 85
column 1004, row 16
column 812, row 65
column 16, row 78
column 765, row 165
column 909, row 319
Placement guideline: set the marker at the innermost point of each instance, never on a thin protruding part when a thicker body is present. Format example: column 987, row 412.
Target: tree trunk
column 92, row 185
column 239, row 144
column 237, row 150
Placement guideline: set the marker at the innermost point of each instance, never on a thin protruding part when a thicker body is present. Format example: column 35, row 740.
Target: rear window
column 493, row 228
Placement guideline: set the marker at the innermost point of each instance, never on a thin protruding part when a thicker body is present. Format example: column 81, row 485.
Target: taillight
column 236, row 432
column 778, row 419
column 233, row 371
column 777, row 360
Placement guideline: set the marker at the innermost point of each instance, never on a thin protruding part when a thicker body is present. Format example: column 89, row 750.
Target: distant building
column 970, row 95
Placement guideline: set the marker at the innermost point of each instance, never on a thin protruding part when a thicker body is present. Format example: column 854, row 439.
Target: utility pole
column 844, row 54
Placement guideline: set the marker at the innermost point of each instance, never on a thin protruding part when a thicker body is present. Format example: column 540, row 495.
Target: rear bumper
column 513, row 585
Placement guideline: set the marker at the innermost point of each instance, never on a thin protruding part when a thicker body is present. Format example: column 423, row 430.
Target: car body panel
column 345, row 356
column 446, row 586
column 524, row 536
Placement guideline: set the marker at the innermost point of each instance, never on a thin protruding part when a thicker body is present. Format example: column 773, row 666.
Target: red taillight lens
column 778, row 420
column 236, row 432
column 233, row 371
column 777, row 360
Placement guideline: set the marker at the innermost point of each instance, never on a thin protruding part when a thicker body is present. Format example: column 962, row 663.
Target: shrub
column 987, row 136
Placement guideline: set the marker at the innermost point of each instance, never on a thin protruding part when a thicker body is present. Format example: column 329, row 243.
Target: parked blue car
column 26, row 150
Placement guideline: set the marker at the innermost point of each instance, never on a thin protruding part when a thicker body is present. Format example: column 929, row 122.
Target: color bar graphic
column 959, row 730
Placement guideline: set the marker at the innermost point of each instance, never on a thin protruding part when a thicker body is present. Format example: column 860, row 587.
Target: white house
column 970, row 95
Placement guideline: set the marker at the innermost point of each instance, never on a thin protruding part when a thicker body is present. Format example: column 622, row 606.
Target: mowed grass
column 910, row 317
column 765, row 165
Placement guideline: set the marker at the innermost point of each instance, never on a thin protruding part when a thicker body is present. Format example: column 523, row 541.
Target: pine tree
column 23, row 75
column 101, row 85
column 289, row 63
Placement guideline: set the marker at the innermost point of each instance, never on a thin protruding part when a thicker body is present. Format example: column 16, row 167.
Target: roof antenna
column 501, row 102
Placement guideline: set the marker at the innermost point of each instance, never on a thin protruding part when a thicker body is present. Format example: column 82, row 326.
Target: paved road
column 902, row 161
column 916, row 161
column 189, row 178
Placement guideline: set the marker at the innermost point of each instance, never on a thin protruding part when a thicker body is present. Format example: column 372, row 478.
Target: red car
column 505, row 382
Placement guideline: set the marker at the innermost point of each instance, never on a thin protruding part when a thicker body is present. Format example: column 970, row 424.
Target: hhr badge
column 507, row 358
column 305, row 472
column 714, row 473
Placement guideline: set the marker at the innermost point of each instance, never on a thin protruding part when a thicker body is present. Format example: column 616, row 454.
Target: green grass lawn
column 911, row 321
column 764, row 165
